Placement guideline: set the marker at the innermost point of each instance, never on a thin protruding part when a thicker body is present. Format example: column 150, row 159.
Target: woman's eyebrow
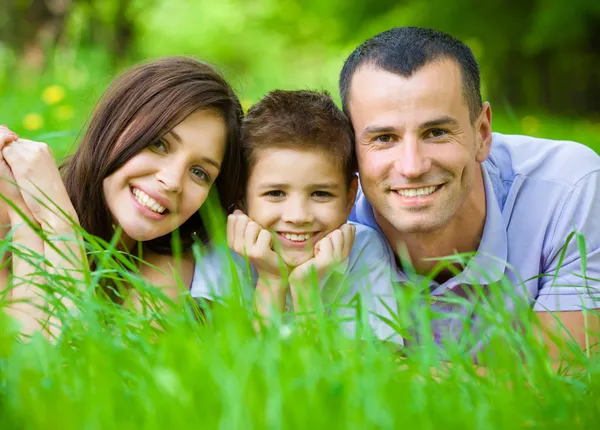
column 203, row 159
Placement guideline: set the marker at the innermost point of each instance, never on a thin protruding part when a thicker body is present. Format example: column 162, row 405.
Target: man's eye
column 200, row 174
column 383, row 138
column 437, row 132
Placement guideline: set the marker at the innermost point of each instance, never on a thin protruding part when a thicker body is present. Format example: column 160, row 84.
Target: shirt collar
column 489, row 263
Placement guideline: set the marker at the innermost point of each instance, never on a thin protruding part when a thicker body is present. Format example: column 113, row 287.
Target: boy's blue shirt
column 366, row 274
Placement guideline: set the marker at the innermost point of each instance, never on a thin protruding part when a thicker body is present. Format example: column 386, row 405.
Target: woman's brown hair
column 138, row 108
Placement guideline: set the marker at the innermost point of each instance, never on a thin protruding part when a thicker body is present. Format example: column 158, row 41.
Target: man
column 435, row 181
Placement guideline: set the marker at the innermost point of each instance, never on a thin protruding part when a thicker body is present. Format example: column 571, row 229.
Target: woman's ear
column 352, row 191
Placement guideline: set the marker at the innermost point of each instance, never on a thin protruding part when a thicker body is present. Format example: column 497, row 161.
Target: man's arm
column 558, row 329
column 568, row 303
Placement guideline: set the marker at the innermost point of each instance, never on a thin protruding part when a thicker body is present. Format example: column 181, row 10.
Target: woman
column 161, row 136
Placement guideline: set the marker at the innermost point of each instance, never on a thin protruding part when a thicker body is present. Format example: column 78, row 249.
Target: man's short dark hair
column 404, row 50
column 298, row 120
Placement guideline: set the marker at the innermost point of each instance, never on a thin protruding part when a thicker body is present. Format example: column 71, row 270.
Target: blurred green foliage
column 539, row 61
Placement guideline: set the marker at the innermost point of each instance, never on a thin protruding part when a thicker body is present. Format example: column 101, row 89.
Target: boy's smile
column 299, row 194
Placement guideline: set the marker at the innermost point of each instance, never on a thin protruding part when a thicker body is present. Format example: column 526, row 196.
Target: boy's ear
column 352, row 191
column 241, row 205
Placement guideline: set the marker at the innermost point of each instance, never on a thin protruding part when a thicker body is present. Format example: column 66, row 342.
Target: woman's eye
column 201, row 174
column 159, row 145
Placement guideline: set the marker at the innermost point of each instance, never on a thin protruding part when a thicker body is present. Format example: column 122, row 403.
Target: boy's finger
column 337, row 242
column 240, row 232
column 251, row 234
column 263, row 241
column 348, row 232
column 231, row 219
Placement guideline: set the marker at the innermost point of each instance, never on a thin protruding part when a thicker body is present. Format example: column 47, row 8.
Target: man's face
column 418, row 151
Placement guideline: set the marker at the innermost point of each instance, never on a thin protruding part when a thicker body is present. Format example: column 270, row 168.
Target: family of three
column 326, row 207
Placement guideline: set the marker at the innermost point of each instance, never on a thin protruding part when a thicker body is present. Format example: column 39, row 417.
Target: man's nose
column 411, row 160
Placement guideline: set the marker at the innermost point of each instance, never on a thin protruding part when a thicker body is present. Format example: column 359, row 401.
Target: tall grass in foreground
column 192, row 366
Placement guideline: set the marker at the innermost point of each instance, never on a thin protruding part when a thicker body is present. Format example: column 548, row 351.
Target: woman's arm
column 46, row 197
column 44, row 225
column 26, row 298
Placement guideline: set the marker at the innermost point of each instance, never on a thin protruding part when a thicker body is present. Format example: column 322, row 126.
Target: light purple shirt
column 537, row 192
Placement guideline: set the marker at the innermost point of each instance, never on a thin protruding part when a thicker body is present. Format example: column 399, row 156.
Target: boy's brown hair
column 298, row 120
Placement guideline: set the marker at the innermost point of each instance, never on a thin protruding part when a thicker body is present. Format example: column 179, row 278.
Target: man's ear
column 352, row 191
column 483, row 130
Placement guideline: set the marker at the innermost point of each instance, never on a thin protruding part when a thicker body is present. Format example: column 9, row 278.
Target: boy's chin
column 295, row 259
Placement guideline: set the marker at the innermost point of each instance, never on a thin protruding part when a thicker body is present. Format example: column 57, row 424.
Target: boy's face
column 301, row 195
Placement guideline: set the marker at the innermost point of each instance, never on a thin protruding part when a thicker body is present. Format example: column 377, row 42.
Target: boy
column 300, row 187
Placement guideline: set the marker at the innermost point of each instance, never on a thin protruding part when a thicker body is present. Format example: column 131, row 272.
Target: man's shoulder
column 556, row 161
column 369, row 245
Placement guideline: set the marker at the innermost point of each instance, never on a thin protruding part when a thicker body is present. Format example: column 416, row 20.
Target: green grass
column 114, row 368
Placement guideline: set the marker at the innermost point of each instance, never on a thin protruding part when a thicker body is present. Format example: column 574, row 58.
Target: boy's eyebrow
column 326, row 185
column 273, row 185
column 204, row 159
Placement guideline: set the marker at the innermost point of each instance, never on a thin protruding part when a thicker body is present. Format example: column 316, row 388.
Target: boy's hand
column 249, row 239
column 330, row 252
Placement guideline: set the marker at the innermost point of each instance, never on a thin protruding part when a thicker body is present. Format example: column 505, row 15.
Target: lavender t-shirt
column 537, row 193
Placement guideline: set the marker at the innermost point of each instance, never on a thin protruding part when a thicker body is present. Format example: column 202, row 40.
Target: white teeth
column 148, row 201
column 302, row 237
column 414, row 192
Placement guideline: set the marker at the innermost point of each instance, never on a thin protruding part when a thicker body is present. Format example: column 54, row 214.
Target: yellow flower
column 64, row 113
column 53, row 94
column 33, row 121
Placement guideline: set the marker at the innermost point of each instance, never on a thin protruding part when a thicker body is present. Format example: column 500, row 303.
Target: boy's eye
column 159, row 145
column 322, row 194
column 275, row 194
column 200, row 174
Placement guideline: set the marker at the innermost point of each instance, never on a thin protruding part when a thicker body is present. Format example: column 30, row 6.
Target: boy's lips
column 297, row 239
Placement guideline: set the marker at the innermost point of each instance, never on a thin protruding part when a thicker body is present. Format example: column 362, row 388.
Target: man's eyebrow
column 444, row 120
column 203, row 159
column 373, row 129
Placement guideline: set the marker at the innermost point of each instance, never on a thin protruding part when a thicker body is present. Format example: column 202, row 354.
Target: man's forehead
column 436, row 85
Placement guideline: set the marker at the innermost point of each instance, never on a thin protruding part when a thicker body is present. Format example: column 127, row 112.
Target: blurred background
column 540, row 59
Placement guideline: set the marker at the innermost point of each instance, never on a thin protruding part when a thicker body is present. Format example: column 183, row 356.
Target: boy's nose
column 297, row 212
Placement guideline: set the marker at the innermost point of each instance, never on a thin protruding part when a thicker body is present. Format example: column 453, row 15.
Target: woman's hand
column 8, row 186
column 39, row 180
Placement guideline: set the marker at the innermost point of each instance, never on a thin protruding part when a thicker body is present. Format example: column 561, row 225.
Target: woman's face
column 162, row 186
